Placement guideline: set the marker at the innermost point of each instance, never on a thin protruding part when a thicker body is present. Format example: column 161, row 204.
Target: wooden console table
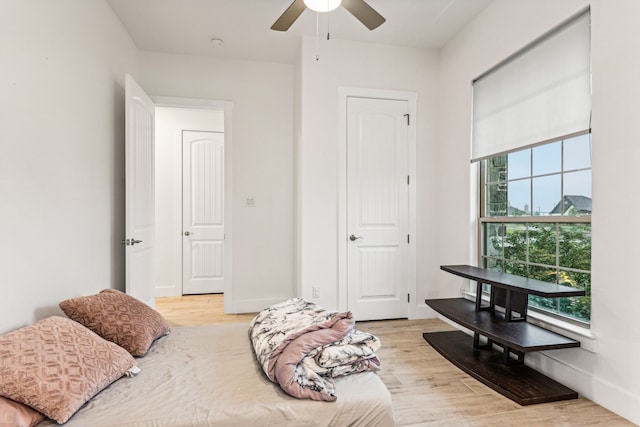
column 502, row 323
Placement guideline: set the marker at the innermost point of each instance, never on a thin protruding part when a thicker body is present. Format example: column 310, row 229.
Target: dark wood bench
column 501, row 334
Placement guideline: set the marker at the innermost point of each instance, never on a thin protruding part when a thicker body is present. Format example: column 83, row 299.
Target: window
column 535, row 219
column 531, row 135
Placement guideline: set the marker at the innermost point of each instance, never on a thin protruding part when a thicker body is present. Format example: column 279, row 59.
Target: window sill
column 587, row 340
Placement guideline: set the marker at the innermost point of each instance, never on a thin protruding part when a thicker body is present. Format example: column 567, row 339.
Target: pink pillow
column 119, row 318
column 14, row 414
column 56, row 365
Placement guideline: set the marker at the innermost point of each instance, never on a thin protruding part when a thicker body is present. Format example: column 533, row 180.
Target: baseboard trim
column 602, row 392
column 168, row 292
column 253, row 305
column 423, row 311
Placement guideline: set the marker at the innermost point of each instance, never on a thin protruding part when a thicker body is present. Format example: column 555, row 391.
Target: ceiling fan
column 358, row 8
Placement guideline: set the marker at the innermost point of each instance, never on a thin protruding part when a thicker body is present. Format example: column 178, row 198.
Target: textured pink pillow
column 14, row 414
column 56, row 365
column 119, row 318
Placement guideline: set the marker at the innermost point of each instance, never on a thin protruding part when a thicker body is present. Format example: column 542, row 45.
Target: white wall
column 61, row 154
column 606, row 374
column 170, row 122
column 262, row 96
column 351, row 64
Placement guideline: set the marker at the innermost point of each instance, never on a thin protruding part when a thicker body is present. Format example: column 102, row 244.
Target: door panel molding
column 203, row 220
column 344, row 93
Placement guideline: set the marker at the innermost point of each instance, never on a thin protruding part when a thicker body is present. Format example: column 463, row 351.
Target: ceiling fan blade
column 289, row 16
column 364, row 13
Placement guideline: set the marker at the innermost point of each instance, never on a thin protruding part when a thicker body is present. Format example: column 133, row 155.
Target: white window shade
column 540, row 94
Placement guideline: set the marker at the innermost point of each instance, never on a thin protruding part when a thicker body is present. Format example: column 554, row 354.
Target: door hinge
column 408, row 180
column 408, row 238
column 408, row 119
column 408, row 297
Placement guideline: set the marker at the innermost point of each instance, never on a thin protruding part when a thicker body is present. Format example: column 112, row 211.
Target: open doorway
column 192, row 174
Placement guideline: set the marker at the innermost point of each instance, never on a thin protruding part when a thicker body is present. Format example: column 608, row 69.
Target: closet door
column 377, row 208
column 203, row 249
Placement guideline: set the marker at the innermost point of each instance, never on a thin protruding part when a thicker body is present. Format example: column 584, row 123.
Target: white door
column 203, row 219
column 139, row 189
column 377, row 208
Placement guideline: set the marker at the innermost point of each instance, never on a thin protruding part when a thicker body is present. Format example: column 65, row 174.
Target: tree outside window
column 536, row 219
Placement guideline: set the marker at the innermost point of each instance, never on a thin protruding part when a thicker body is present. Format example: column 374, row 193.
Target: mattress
column 209, row 376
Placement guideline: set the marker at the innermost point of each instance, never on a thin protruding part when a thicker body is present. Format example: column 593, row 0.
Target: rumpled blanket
column 302, row 347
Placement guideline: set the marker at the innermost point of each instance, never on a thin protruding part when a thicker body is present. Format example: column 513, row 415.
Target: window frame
column 542, row 315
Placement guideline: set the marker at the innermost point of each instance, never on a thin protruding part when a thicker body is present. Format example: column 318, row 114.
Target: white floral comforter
column 302, row 346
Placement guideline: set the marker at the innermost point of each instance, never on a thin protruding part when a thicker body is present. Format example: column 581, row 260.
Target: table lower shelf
column 521, row 384
column 520, row 336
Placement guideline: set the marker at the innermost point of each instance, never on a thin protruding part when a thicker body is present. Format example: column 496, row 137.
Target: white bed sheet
column 208, row 376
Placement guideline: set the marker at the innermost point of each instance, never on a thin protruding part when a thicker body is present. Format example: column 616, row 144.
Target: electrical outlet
column 316, row 292
column 250, row 202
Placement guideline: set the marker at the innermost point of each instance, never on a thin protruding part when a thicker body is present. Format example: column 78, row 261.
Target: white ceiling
column 187, row 26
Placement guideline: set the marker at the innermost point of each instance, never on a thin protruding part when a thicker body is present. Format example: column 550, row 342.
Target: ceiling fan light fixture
column 322, row 5
column 360, row 9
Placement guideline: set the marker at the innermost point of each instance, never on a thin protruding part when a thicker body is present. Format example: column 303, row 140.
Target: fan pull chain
column 317, row 35
column 328, row 27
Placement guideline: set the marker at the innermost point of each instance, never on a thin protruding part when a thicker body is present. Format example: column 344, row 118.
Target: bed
column 209, row 376
column 114, row 361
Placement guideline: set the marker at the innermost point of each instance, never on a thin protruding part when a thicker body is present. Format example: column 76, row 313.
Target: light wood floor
column 426, row 389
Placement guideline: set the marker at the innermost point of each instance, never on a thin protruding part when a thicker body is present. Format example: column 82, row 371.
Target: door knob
column 354, row 238
column 130, row 242
column 188, row 233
